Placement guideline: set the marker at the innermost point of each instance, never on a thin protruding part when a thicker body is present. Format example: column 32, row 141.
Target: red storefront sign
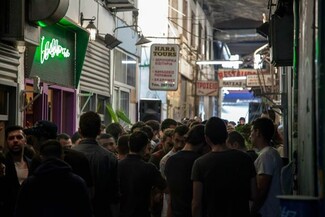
column 207, row 88
column 224, row 73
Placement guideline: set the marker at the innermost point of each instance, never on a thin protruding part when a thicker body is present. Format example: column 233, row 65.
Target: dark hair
column 235, row 136
column 155, row 125
column 123, row 144
column 167, row 123
column 89, row 124
column 232, row 123
column 75, row 137
column 169, row 132
column 137, row 126
column 63, row 136
column 12, row 128
column 43, row 130
column 181, row 130
column 115, row 129
column 216, row 130
column 265, row 126
column 138, row 140
column 104, row 136
column 51, row 148
column 195, row 135
column 148, row 130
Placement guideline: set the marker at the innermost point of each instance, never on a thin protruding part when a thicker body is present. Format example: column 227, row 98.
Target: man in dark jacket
column 103, row 167
column 53, row 189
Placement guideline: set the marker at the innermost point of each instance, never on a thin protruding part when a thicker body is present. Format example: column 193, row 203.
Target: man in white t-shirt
column 268, row 168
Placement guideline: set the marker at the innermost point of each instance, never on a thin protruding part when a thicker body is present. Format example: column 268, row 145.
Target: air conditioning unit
column 120, row 4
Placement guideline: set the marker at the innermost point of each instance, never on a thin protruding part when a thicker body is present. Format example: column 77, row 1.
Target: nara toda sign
column 164, row 67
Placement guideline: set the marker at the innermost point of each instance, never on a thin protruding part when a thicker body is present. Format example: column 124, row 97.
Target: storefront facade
column 52, row 75
column 95, row 88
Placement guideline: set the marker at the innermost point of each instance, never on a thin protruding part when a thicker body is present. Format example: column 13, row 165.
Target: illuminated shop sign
column 51, row 49
column 55, row 58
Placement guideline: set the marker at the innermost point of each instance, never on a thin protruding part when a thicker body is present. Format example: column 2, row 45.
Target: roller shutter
column 9, row 62
column 95, row 76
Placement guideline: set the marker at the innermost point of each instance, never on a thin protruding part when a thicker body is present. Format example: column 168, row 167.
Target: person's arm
column 263, row 186
column 197, row 199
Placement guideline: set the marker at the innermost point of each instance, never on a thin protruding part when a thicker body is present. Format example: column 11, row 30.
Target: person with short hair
column 167, row 144
column 17, row 166
column 236, row 141
column 103, row 166
column 137, row 178
column 115, row 129
column 53, row 189
column 217, row 190
column 107, row 141
column 178, row 172
column 242, row 121
column 64, row 140
column 155, row 125
column 123, row 146
column 268, row 167
column 75, row 138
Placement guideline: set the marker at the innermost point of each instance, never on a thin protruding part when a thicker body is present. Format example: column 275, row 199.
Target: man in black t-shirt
column 222, row 179
column 178, row 173
column 137, row 178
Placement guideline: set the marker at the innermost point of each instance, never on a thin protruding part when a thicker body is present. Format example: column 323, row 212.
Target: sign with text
column 164, row 67
column 235, row 83
column 207, row 88
column 55, row 58
column 225, row 73
column 254, row 81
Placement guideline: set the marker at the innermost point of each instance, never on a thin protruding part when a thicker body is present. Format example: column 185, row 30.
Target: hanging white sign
column 164, row 67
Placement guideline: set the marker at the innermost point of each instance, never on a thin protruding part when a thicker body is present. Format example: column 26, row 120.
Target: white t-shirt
column 269, row 162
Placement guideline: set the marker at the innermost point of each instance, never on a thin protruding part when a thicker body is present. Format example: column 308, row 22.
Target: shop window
column 124, row 68
column 94, row 102
column 122, row 100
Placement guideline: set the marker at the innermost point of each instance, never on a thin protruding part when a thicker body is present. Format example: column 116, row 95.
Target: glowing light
column 52, row 49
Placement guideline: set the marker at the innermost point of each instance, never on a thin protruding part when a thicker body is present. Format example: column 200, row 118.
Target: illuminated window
column 124, row 68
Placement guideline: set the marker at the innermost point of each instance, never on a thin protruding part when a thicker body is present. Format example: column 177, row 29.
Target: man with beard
column 179, row 143
column 17, row 168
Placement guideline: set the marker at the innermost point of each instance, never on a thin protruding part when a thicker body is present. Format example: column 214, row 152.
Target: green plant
column 245, row 131
column 117, row 115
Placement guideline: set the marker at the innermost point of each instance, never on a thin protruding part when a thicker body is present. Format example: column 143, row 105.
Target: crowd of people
column 190, row 168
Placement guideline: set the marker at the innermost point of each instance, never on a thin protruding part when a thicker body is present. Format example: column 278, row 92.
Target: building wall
column 174, row 25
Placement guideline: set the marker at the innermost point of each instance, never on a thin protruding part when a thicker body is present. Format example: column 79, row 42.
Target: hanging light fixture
column 90, row 27
column 142, row 40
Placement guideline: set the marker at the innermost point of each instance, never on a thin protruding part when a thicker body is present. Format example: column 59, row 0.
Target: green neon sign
column 55, row 57
column 52, row 49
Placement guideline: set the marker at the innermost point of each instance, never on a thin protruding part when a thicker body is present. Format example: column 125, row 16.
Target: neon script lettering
column 52, row 49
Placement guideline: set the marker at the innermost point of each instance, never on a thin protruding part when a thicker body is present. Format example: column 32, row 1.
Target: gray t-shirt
column 269, row 162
